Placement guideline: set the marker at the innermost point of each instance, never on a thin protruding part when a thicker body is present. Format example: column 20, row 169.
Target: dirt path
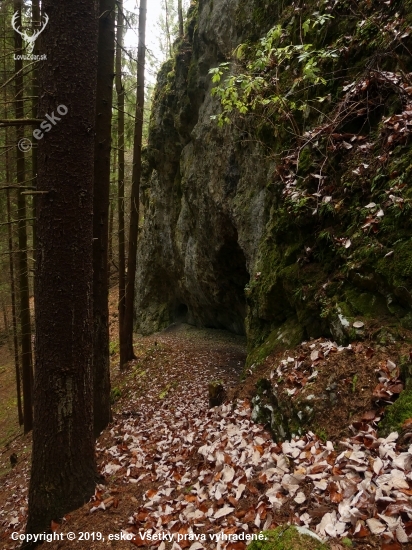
column 171, row 374
column 171, row 467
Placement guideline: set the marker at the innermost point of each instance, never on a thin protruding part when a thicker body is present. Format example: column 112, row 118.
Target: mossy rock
column 287, row 537
column 288, row 335
column 367, row 304
column 396, row 414
column 280, row 413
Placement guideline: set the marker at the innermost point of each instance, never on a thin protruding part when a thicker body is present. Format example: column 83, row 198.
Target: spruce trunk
column 63, row 461
column 25, row 324
column 120, row 179
column 101, row 195
column 128, row 353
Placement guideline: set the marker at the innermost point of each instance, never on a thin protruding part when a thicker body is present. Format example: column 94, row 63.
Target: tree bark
column 101, row 196
column 11, row 263
column 63, row 461
column 180, row 17
column 6, row 324
column 128, row 353
column 120, row 178
column 35, row 18
column 111, row 223
column 168, row 37
column 26, row 356
column 112, row 207
column 13, row 312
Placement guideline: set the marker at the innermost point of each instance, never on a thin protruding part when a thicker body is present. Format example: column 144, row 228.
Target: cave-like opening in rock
column 231, row 271
column 181, row 313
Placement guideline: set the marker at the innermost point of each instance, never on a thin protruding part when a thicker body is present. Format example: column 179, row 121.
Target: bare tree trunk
column 101, row 195
column 26, row 356
column 127, row 354
column 13, row 311
column 168, row 38
column 11, row 263
column 35, row 18
column 180, row 17
column 63, row 461
column 111, row 212
column 111, row 222
column 5, row 321
column 120, row 177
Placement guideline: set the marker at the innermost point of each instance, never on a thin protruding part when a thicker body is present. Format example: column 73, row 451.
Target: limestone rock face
column 221, row 244
column 205, row 205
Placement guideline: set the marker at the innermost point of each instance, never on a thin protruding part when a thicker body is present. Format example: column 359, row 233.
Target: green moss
column 396, row 414
column 307, row 278
column 366, row 304
column 288, row 335
column 115, row 395
column 305, row 161
column 287, row 538
column 114, row 347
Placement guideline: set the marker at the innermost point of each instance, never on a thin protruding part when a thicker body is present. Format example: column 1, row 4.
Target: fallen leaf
column 369, row 415
column 239, row 545
column 375, row 526
column 223, row 512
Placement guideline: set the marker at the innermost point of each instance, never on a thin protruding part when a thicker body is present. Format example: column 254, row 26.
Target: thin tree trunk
column 5, row 321
column 35, row 17
column 101, row 195
column 120, row 178
column 11, row 263
column 26, row 356
column 180, row 17
column 168, row 38
column 13, row 312
column 63, row 461
column 128, row 353
column 111, row 213
column 111, row 222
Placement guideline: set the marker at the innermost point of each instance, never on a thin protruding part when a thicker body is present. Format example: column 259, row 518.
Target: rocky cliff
column 275, row 236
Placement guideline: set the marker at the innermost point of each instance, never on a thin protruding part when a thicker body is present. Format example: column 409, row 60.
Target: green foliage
column 258, row 81
column 167, row 389
column 354, row 382
column 114, row 347
column 396, row 414
column 115, row 395
column 287, row 537
column 322, row 434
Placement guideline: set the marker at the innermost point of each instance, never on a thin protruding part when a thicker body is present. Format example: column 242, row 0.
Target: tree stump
column 217, row 393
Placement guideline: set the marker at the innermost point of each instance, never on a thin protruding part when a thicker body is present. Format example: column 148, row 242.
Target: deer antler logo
column 29, row 39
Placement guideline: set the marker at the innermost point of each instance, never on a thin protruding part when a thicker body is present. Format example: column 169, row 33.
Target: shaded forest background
column 18, row 168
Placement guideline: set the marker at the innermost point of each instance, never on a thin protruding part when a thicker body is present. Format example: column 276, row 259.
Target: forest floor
column 170, row 465
column 9, row 425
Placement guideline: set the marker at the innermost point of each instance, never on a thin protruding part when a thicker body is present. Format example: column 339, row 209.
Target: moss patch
column 287, row 538
column 288, row 335
column 396, row 414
